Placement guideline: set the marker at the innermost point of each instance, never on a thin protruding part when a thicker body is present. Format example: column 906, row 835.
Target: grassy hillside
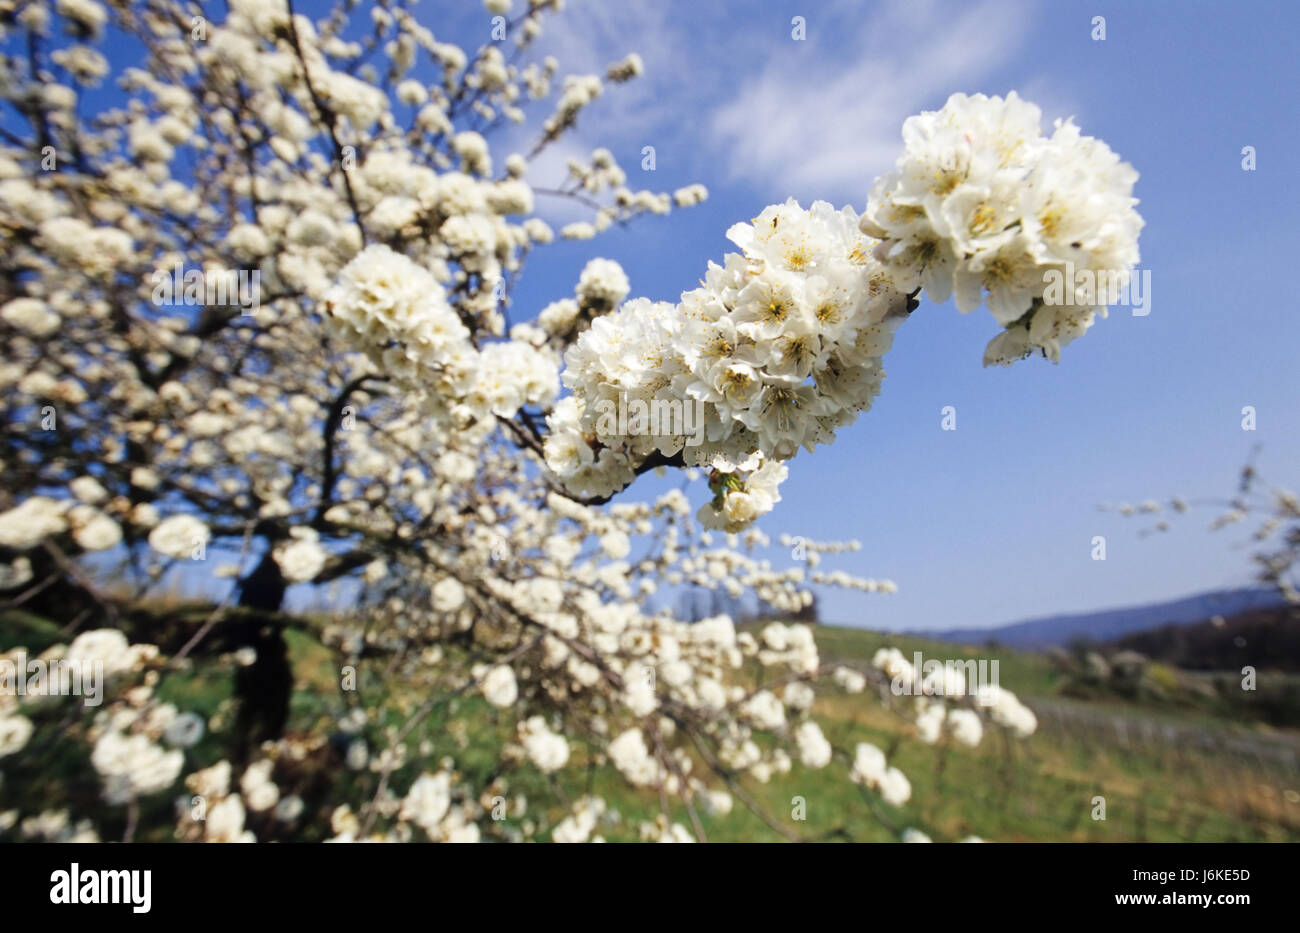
column 1171, row 766
column 1168, row 770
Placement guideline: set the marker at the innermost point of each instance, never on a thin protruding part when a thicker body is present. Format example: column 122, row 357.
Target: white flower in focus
column 982, row 206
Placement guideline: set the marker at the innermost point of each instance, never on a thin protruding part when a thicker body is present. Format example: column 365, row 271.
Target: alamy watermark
column 21, row 677
column 932, row 677
column 1093, row 287
column 103, row 886
column 240, row 288
column 655, row 418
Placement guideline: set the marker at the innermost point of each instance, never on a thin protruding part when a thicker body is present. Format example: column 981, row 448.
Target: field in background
column 1169, row 770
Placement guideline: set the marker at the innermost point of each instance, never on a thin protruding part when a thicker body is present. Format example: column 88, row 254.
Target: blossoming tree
column 367, row 411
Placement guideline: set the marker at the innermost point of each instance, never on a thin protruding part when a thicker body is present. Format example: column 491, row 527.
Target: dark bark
column 264, row 687
column 53, row 594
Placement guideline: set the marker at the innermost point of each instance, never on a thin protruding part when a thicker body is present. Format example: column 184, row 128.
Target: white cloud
column 549, row 171
column 813, row 119
column 586, row 39
column 818, row 126
column 593, row 34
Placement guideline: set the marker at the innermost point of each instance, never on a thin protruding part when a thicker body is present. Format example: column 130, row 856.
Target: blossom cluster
column 781, row 346
column 938, row 695
column 982, row 206
column 395, row 312
column 139, row 741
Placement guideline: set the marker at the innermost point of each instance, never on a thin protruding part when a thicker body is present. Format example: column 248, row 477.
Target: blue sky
column 992, row 522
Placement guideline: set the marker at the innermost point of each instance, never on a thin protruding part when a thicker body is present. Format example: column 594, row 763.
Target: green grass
column 1042, row 788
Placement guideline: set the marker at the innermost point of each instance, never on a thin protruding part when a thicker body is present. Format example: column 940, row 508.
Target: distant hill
column 1263, row 638
column 1109, row 624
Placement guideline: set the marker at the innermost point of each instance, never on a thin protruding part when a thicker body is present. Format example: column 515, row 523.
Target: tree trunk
column 264, row 687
